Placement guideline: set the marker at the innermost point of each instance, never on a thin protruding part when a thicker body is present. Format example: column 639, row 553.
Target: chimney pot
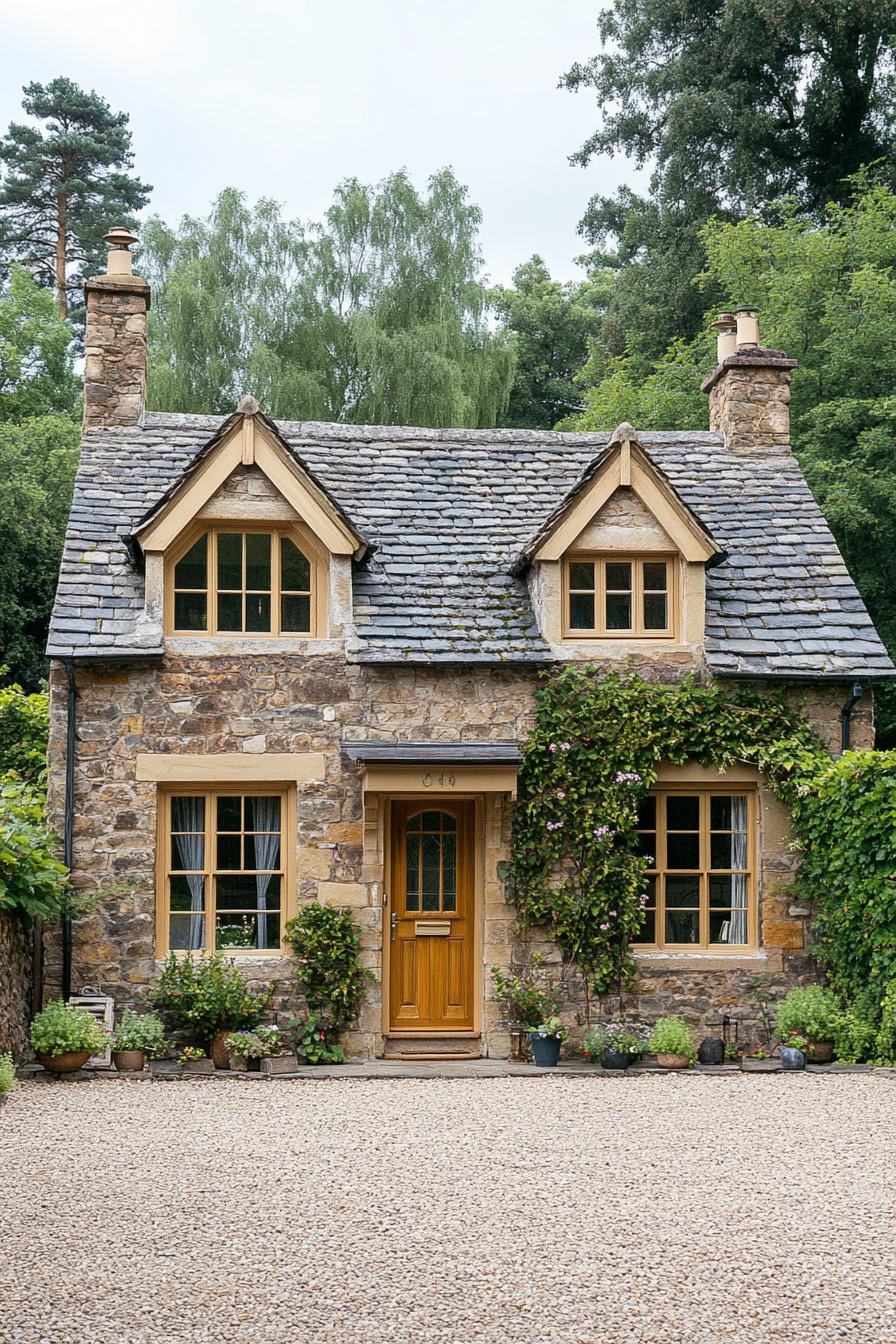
column 119, row 259
column 747, row 329
column 726, row 341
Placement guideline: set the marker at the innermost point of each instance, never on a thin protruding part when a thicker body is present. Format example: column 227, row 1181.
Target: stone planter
column 67, row 1063
column 819, row 1052
column 672, row 1061
column 218, row 1051
column 279, row 1064
column 199, row 1066
column 165, row 1068
column 128, row 1061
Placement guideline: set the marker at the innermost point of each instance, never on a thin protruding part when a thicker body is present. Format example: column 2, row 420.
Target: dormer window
column 620, row 596
column 231, row 581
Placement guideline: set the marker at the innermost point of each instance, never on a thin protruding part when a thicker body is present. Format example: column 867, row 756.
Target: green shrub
column 326, row 943
column 31, row 877
column 140, row 1031
column 811, row 1011
column 885, row 1041
column 207, row 995
column 7, row 1073
column 672, row 1036
column 315, row 1042
column 526, row 998
column 258, row 1044
column 62, row 1030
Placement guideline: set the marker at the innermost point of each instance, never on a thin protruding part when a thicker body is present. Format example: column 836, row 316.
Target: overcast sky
column 284, row 98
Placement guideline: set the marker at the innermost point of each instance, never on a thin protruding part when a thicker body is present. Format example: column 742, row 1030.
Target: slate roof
column 447, row 512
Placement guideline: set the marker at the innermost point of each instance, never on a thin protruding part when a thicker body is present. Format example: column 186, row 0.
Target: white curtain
column 737, row 930
column 188, row 814
column 267, row 849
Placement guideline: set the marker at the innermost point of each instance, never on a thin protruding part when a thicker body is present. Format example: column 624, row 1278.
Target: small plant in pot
column 526, row 995
column 813, row 1012
column 138, row 1037
column 209, row 998
column 793, row 1051
column 615, row 1044
column 193, row 1059
column 545, row 1041
column 64, row 1038
column 673, row 1043
column 248, row 1048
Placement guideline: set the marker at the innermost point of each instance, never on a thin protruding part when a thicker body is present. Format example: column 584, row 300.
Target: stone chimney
column 115, row 339
column 749, row 389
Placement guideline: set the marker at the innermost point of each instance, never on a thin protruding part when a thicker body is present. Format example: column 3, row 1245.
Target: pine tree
column 65, row 183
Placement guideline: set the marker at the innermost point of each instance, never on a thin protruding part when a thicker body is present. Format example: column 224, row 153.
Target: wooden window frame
column 241, row 788
column 600, row 560
column 299, row 535
column 658, row 871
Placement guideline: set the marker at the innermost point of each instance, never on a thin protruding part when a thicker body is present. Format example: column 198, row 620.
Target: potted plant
column 615, row 1044
column 248, row 1048
column 525, row 997
column 64, row 1038
column 546, row 1040
column 208, row 997
column 673, row 1043
column 793, row 1051
column 813, row 1012
column 137, row 1037
column 7, row 1075
column 193, row 1059
column 315, row 1042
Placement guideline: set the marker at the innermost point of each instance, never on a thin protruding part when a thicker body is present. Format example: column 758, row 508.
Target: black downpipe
column 68, row 837
column 846, row 715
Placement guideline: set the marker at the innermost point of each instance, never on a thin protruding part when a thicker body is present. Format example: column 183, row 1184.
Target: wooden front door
column 431, row 916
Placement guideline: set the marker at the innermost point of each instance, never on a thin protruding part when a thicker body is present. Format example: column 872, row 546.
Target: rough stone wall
column 115, row 350
column 298, row 703
column 749, row 401
column 16, row 945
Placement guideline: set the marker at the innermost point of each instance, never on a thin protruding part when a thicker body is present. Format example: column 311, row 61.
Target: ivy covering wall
column 593, row 755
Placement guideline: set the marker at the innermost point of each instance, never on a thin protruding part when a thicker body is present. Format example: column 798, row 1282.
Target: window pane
column 230, row 813
column 238, row 891
column 682, row 813
column 188, row 813
column 619, row 612
column 682, row 926
column 432, row 848
column 682, row 851
column 191, row 571
column 295, row 569
column 188, row 853
column 581, row 611
column 230, row 852
column 728, row 851
column 431, row 821
column 654, row 576
column 186, row 894
column 412, row 873
column 647, row 933
column 234, row 931
column 655, row 617
column 581, row 575
column 185, row 931
column 258, row 561
column 449, row 872
column 230, row 560
column 263, row 814
column 190, row 611
column 728, row 893
column 728, row 813
column 647, row 813
column 647, row 846
column 230, row 611
column 263, row 852
column 619, row 577
column 258, row 612
column 295, row 615
column 683, row 891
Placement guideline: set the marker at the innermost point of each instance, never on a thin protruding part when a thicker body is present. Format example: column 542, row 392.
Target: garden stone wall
column 312, row 703
column 16, row 945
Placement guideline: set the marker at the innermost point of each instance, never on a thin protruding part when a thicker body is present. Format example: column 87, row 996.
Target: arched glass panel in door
column 431, row 863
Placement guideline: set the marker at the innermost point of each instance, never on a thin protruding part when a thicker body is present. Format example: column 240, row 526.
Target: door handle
column 394, row 924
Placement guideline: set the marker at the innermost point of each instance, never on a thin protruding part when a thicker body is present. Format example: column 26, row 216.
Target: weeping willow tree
column 377, row 315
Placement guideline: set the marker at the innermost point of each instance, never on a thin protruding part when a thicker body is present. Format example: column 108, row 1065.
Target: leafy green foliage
column 810, row 1011
column 326, row 943
column 315, row 1041
column 208, row 995
column 7, row 1073
column 36, row 376
column 257, row 1044
column 61, row 1030
column 38, row 458
column 140, row 1031
column 378, row 315
column 32, row 880
column 672, row 1036
column 527, row 997
column 64, row 182
column 589, row 760
column 24, row 727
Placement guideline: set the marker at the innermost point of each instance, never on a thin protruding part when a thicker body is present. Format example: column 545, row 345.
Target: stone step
column 444, row 1047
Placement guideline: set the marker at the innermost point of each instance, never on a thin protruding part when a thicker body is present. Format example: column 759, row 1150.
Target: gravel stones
column 556, row 1210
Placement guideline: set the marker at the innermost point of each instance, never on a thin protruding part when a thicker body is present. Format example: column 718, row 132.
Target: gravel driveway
column 578, row 1210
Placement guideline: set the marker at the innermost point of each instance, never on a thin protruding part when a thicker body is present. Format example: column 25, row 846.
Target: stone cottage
column 295, row 661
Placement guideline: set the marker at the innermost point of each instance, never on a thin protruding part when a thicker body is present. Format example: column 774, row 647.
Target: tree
column 379, row 314
column 551, row 324
column 65, row 183
column 37, row 466
column 735, row 104
column 36, row 375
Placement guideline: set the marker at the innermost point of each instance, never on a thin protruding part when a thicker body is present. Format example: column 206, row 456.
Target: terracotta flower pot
column 672, row 1061
column 218, row 1050
column 128, row 1061
column 67, row 1063
column 819, row 1052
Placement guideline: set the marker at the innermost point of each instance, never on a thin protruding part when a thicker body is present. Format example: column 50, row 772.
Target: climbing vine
column 593, row 755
